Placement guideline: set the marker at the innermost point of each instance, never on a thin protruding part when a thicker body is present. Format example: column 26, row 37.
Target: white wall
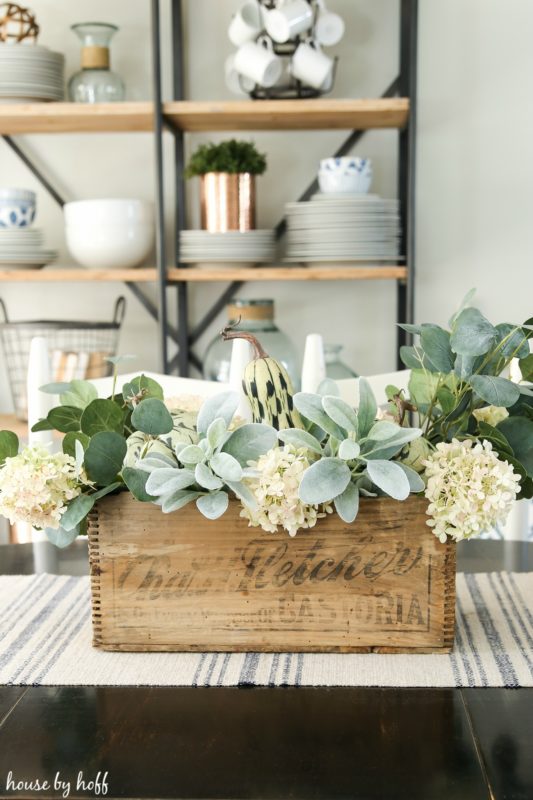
column 474, row 167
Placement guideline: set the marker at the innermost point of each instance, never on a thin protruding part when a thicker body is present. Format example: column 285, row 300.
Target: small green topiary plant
column 231, row 156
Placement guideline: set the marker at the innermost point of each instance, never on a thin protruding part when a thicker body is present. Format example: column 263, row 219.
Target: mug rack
column 293, row 89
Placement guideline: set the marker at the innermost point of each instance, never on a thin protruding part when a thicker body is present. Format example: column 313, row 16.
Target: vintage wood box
column 181, row 582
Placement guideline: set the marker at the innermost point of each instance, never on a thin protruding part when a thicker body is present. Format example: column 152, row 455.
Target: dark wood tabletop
column 312, row 743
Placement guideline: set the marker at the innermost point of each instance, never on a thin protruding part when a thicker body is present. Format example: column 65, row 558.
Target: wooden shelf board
column 335, row 272
column 54, row 275
column 75, row 117
column 241, row 115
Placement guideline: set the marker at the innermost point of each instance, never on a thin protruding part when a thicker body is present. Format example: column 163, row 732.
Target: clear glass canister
column 335, row 367
column 95, row 82
column 257, row 317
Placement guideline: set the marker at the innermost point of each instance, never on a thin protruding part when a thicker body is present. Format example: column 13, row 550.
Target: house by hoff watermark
column 94, row 785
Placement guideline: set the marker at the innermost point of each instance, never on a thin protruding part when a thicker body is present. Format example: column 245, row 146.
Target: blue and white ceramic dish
column 17, row 208
column 345, row 175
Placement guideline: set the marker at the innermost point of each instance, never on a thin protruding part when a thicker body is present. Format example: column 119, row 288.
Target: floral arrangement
column 462, row 435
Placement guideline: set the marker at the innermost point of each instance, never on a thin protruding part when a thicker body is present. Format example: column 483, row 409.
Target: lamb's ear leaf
column 368, row 408
column 60, row 537
column 389, row 477
column 324, row 480
column 347, row 503
column 222, row 405
column 213, row 505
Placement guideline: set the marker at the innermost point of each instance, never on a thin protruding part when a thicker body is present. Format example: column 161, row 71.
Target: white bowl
column 110, row 246
column 346, row 164
column 108, row 212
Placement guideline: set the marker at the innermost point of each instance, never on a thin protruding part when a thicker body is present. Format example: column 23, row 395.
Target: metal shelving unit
column 396, row 108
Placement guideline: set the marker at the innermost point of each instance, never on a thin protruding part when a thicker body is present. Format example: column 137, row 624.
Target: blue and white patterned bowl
column 17, row 208
column 345, row 175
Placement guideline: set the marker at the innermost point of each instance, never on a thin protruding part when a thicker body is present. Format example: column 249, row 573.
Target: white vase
column 314, row 364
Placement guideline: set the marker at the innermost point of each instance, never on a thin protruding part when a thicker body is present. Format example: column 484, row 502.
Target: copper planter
column 227, row 202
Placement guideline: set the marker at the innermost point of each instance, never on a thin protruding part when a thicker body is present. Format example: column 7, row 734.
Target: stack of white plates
column 343, row 227
column 21, row 248
column 249, row 247
column 30, row 72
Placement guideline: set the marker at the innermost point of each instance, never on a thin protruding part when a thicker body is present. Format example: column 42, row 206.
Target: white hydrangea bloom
column 35, row 487
column 276, row 487
column 469, row 489
column 492, row 415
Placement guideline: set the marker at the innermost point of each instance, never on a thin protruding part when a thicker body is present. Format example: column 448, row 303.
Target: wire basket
column 78, row 350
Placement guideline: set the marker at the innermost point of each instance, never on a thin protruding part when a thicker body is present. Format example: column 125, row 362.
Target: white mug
column 329, row 27
column 246, row 24
column 289, row 20
column 236, row 83
column 311, row 66
column 258, row 62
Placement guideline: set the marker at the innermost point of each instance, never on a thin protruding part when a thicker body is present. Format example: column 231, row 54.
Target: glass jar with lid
column 257, row 317
column 95, row 82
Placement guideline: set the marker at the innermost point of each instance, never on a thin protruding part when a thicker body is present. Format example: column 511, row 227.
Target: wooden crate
column 181, row 582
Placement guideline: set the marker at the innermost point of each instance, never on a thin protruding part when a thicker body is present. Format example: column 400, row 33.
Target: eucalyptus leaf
column 206, row 478
column 222, row 405
column 143, row 386
column 42, row 425
column 465, row 303
column 389, row 477
column 77, row 509
column 310, row 406
column 299, row 438
column 366, row 413
column 347, row 503
column 226, row 467
column 348, row 450
column 79, row 394
column 435, row 342
column 409, row 328
column 519, row 433
column 516, row 342
column 324, row 480
column 164, row 481
column 191, row 455
column 416, row 484
column 214, row 505
column 250, row 441
column 70, row 439
column 60, row 537
column 60, row 387
column 153, row 417
column 526, row 367
column 104, row 457
column 9, row 445
column 423, row 385
column 177, row 500
column 472, row 334
column 340, row 412
column 101, row 415
column 415, row 358
column 135, row 480
column 106, row 490
column 65, row 418
column 496, row 391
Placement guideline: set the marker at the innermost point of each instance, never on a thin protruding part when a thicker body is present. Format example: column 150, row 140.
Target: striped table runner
column 45, row 639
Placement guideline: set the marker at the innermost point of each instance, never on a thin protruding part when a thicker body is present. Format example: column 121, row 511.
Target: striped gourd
column 267, row 386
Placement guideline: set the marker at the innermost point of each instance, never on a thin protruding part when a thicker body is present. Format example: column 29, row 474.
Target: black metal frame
column 405, row 85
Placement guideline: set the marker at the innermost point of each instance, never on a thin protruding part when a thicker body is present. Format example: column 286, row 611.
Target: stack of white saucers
column 343, row 227
column 21, row 248
column 235, row 247
column 30, row 72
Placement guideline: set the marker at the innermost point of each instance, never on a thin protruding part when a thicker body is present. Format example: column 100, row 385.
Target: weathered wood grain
column 181, row 582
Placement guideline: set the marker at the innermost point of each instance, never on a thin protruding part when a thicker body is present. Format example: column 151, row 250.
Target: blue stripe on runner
column 286, row 669
column 21, row 599
column 249, row 669
column 22, row 604
column 33, row 626
column 62, row 643
column 299, row 669
column 503, row 662
column 520, row 598
column 511, row 627
column 273, row 670
column 53, row 640
column 470, row 639
column 464, row 658
column 225, row 664
column 211, row 669
column 201, row 662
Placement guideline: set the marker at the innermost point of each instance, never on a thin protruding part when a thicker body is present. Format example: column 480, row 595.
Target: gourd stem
column 228, row 334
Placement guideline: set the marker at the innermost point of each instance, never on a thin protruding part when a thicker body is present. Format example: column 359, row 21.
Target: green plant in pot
column 227, row 184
